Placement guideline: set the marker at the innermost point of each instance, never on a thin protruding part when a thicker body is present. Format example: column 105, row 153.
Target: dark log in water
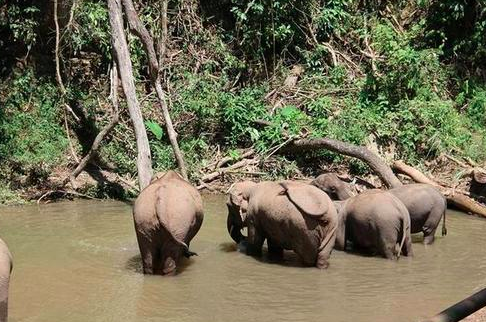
column 462, row 309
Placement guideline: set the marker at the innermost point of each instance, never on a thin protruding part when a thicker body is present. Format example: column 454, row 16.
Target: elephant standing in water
column 424, row 202
column 5, row 270
column 375, row 222
column 167, row 215
column 289, row 215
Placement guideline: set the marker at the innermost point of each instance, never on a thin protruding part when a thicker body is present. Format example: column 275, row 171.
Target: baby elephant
column 167, row 215
column 289, row 215
column 424, row 202
column 375, row 222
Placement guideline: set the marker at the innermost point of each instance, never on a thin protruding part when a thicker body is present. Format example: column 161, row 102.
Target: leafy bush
column 31, row 133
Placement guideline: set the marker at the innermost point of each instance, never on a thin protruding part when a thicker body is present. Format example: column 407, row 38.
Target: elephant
column 289, row 215
column 167, row 215
column 333, row 186
column 376, row 222
column 425, row 204
column 5, row 271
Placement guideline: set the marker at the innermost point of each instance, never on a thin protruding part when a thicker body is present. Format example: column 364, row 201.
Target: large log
column 400, row 167
column 461, row 309
column 373, row 160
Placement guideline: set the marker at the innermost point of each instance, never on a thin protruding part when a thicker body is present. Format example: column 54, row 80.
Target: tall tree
column 125, row 70
column 155, row 66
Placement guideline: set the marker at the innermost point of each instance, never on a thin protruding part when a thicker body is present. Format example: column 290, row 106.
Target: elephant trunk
column 234, row 229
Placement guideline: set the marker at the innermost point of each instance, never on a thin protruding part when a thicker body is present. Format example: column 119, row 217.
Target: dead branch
column 101, row 135
column 240, row 164
column 58, row 71
column 69, row 192
column 162, row 44
column 71, row 147
column 459, row 162
column 400, row 167
column 218, row 164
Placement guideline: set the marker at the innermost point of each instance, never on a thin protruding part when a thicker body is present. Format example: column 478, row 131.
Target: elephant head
column 333, row 186
column 237, row 208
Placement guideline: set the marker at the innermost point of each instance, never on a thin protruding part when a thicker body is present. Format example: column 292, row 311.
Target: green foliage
column 9, row 197
column 459, row 27
column 240, row 111
column 155, row 128
column 92, row 29
column 22, row 21
column 30, row 128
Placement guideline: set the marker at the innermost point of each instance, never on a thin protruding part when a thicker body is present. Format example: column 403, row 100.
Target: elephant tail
column 444, row 228
column 163, row 222
column 405, row 233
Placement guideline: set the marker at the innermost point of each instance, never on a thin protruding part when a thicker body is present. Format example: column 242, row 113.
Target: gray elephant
column 333, row 186
column 5, row 270
column 167, row 215
column 376, row 223
column 289, row 215
column 424, row 202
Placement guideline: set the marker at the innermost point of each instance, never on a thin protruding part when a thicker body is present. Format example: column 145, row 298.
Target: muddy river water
column 78, row 261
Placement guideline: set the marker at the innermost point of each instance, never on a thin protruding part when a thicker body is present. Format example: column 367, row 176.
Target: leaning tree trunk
column 373, row 160
column 138, row 29
column 125, row 70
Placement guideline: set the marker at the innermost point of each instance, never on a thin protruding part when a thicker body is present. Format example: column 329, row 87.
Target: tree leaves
column 155, row 128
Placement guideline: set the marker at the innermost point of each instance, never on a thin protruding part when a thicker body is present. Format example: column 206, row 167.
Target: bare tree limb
column 164, row 38
column 400, row 167
column 58, row 71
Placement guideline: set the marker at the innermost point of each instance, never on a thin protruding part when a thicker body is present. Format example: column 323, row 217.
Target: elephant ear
column 307, row 198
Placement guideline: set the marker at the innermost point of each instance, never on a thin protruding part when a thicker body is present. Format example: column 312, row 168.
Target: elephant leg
column 387, row 244
column 255, row 241
column 327, row 244
column 168, row 260
column 430, row 225
column 148, row 251
column 275, row 251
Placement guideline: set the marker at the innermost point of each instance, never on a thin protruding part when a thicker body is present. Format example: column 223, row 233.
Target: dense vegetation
column 408, row 77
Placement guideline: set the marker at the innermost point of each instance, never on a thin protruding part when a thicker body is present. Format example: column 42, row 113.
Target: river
column 79, row 261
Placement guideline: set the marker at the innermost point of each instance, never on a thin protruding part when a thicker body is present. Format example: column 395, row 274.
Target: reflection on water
column 79, row 261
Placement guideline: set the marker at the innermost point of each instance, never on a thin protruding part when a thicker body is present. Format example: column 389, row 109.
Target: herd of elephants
column 310, row 219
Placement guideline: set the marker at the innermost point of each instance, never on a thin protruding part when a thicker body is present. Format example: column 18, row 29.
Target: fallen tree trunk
column 462, row 309
column 400, row 167
column 373, row 160
column 455, row 198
